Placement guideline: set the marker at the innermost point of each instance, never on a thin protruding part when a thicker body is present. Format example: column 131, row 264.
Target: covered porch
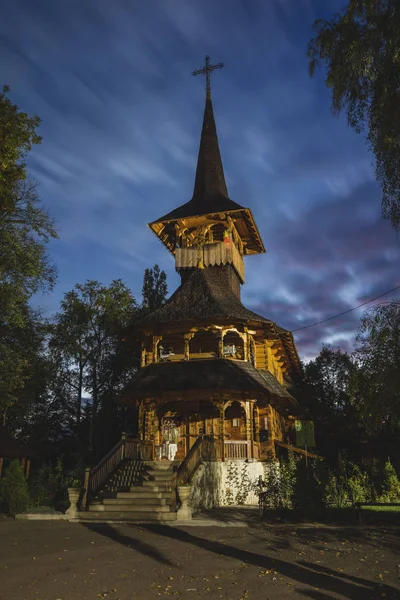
column 173, row 427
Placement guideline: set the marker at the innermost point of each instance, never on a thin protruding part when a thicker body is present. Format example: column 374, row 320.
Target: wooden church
column 211, row 369
column 208, row 364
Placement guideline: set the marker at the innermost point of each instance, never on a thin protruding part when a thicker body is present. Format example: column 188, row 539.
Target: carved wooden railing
column 205, row 448
column 126, row 448
column 237, row 449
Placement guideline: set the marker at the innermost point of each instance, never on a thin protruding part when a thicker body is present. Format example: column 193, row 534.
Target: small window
column 266, row 423
column 235, row 422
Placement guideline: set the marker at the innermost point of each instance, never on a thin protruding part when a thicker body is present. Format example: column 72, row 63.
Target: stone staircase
column 137, row 491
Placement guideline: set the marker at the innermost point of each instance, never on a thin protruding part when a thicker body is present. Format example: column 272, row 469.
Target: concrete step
column 145, row 494
column 160, row 475
column 125, row 516
column 156, row 485
column 128, row 507
column 135, row 501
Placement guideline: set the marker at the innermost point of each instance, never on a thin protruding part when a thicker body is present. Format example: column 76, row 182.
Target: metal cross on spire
column 206, row 70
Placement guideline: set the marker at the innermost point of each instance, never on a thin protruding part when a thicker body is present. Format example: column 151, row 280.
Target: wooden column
column 143, row 356
column 249, row 428
column 221, row 427
column 246, row 345
column 186, row 339
column 141, row 421
column 156, row 339
column 221, row 345
column 256, row 418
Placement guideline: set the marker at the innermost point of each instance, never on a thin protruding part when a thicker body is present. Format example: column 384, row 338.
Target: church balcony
column 217, row 253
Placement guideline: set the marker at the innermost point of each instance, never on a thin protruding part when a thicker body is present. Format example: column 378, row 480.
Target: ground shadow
column 130, row 542
column 328, row 580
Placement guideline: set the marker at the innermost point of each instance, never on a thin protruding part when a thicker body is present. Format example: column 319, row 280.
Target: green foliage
column 324, row 391
column 280, row 483
column 17, row 134
column 391, row 485
column 25, row 228
column 378, row 372
column 359, row 486
column 49, row 484
column 238, row 484
column 308, row 489
column 273, row 487
column 359, row 49
column 288, row 478
column 44, row 484
column 154, row 289
column 14, row 493
column 348, row 485
column 89, row 350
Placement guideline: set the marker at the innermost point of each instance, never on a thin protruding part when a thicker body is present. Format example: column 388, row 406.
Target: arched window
column 233, row 345
column 171, row 348
column 204, row 344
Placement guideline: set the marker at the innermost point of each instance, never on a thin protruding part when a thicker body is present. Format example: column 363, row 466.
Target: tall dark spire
column 210, row 179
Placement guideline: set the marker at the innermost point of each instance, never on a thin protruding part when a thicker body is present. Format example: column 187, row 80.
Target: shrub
column 359, row 485
column 288, row 480
column 308, row 490
column 391, row 485
column 347, row 485
column 14, row 489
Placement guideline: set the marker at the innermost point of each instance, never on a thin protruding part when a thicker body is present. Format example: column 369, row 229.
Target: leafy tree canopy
column 154, row 289
column 359, row 50
column 25, row 228
column 376, row 386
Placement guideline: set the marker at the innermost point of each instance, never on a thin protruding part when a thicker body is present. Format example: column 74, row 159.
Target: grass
column 371, row 515
column 382, row 509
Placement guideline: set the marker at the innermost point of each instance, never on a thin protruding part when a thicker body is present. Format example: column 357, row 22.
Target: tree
column 20, row 352
column 375, row 387
column 87, row 348
column 14, row 493
column 359, row 49
column 154, row 289
column 25, row 228
column 18, row 134
column 325, row 392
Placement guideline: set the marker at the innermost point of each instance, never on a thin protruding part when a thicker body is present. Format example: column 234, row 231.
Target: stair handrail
column 204, row 448
column 96, row 476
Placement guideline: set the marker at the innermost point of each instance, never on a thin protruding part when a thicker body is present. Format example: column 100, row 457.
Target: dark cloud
column 121, row 121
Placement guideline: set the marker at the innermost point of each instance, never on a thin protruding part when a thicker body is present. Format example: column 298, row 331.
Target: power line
column 346, row 311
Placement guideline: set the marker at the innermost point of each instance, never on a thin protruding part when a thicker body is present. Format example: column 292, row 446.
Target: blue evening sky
column 121, row 119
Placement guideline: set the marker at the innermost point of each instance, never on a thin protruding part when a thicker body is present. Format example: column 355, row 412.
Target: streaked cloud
column 121, row 123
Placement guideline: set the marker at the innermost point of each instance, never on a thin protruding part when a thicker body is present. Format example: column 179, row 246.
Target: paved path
column 71, row 561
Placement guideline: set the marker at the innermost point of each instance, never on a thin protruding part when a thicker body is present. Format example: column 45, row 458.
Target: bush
column 391, row 485
column 308, row 489
column 14, row 489
column 348, row 485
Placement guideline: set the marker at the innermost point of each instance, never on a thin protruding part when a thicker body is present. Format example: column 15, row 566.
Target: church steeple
column 210, row 217
column 210, row 179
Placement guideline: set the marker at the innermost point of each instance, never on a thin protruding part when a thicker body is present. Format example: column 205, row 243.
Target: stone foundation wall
column 228, row 483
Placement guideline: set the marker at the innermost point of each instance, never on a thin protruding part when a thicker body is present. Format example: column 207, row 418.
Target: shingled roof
column 213, row 375
column 203, row 296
